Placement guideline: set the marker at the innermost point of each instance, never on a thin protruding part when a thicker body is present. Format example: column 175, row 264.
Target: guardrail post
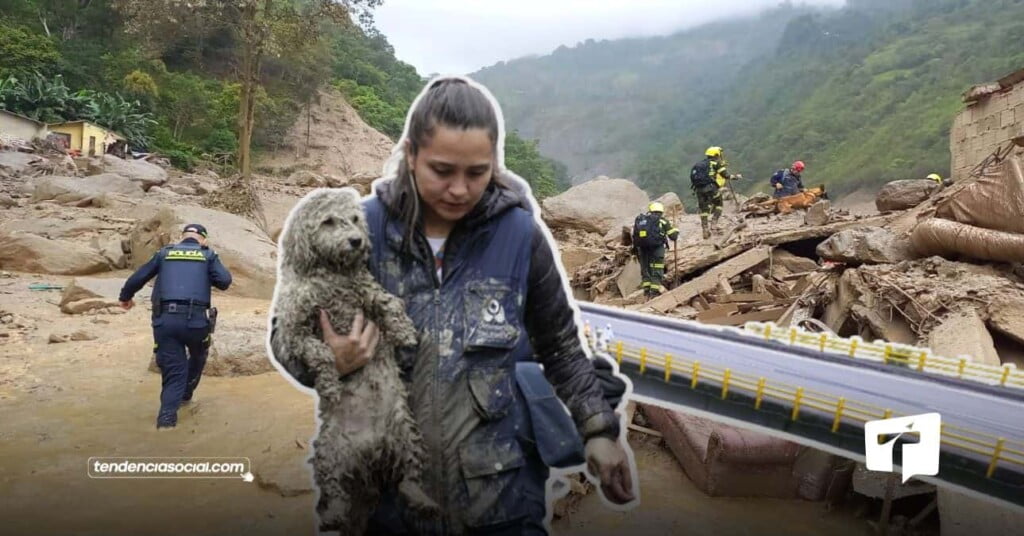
column 696, row 372
column 767, row 331
column 888, row 352
column 725, row 382
column 960, row 368
column 618, row 352
column 995, row 458
column 796, row 402
column 792, row 336
column 853, row 347
column 840, row 405
column 1006, row 374
column 921, row 360
column 643, row 360
column 760, row 393
column 668, row 367
column 822, row 339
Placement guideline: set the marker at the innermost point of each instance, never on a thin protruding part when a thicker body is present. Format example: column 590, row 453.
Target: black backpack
column 647, row 232
column 700, row 175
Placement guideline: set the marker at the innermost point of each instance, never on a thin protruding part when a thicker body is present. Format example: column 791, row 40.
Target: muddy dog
column 368, row 440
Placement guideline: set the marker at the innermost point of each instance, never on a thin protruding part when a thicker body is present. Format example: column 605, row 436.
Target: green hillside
column 863, row 94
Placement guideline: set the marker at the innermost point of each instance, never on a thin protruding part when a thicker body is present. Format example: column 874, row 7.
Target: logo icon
column 921, row 458
column 494, row 313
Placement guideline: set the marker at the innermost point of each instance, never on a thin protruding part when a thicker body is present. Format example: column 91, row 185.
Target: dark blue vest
column 184, row 273
column 472, row 337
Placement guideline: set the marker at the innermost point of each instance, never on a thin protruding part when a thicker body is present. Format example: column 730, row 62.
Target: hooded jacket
column 501, row 301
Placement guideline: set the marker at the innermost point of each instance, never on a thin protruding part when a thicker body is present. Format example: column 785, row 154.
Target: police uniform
column 181, row 299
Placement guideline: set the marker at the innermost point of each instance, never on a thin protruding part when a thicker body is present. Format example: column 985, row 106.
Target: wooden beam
column 746, row 297
column 758, row 316
column 717, row 311
column 709, row 280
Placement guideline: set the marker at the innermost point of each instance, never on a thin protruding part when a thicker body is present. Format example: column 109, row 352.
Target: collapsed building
column 935, row 265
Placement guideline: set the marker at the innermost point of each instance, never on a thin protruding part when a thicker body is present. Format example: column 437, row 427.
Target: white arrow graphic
column 247, row 476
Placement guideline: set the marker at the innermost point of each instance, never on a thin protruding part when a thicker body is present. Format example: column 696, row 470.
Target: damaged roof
column 982, row 91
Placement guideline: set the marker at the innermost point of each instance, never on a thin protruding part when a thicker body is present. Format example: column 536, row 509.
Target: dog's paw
column 417, row 500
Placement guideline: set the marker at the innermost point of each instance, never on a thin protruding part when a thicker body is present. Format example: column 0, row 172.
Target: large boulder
column 246, row 251
column 26, row 252
column 901, row 195
column 82, row 192
column 276, row 208
column 596, row 206
column 673, row 205
column 84, row 294
column 871, row 245
column 146, row 174
column 238, row 347
column 16, row 162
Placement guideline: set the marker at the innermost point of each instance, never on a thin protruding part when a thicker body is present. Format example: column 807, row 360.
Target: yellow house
column 88, row 138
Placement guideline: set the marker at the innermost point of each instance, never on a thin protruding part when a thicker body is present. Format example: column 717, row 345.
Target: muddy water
column 61, row 404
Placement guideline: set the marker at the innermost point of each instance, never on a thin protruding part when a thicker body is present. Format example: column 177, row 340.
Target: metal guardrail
column 989, row 463
column 910, row 357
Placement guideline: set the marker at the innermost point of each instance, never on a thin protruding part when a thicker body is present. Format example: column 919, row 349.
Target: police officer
column 181, row 297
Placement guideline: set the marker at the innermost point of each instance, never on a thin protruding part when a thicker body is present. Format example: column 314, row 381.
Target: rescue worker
column 489, row 313
column 181, row 299
column 786, row 182
column 651, row 233
column 935, row 177
column 707, row 179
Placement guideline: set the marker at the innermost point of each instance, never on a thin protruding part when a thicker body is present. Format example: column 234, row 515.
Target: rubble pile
column 807, row 263
column 822, row 267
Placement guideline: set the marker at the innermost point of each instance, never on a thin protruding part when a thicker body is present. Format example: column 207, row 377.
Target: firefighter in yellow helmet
column 707, row 179
column 935, row 177
column 651, row 233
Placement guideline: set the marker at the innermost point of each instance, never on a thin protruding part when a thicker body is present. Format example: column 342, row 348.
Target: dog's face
column 329, row 229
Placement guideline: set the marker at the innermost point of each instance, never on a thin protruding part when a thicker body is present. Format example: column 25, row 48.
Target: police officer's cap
column 195, row 228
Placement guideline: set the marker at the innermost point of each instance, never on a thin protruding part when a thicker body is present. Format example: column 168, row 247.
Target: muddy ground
column 61, row 404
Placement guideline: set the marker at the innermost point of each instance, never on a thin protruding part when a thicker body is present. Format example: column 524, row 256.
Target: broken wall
column 988, row 123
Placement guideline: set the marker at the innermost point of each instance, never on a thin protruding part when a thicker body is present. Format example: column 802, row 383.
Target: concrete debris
column 904, row 194
column 818, row 213
column 865, row 246
column 964, row 334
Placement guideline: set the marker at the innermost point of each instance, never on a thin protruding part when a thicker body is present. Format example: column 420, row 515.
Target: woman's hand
column 350, row 351
column 606, row 459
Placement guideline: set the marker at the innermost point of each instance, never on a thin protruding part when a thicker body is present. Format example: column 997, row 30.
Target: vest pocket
column 491, row 389
column 488, row 469
column 491, row 314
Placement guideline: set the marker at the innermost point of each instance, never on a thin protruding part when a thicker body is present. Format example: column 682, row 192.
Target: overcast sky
column 462, row 36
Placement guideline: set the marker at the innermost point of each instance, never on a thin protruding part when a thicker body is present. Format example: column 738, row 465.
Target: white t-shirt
column 437, row 246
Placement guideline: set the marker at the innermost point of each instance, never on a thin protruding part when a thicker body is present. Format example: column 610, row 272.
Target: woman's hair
column 450, row 102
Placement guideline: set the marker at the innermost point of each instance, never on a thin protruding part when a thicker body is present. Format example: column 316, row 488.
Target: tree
column 261, row 28
column 523, row 159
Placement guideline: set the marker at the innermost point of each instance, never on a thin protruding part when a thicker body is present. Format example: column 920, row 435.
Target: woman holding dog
column 454, row 235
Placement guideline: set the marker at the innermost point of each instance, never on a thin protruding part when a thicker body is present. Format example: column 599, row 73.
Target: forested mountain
column 863, row 94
